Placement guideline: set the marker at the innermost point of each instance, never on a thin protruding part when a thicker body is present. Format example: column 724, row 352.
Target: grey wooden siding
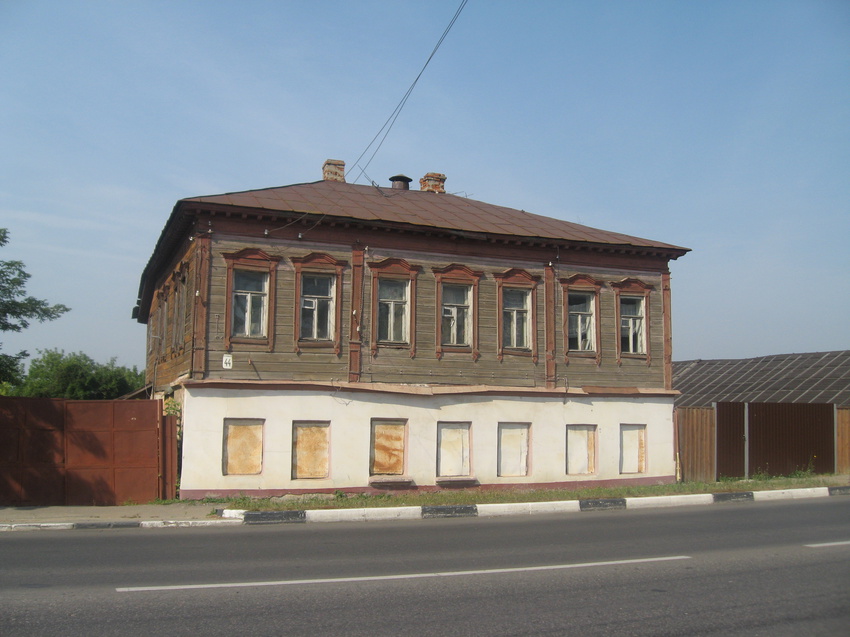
column 395, row 365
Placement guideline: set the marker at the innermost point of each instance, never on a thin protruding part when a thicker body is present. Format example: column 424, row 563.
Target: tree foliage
column 17, row 310
column 55, row 374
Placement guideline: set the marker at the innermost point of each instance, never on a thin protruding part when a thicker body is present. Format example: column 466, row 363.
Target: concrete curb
column 239, row 517
column 538, row 508
column 144, row 524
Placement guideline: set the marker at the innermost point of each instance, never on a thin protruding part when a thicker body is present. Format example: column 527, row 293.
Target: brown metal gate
column 737, row 440
column 789, row 437
column 80, row 452
column 731, row 440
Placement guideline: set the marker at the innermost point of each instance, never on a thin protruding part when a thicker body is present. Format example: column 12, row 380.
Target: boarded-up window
column 387, row 455
column 310, row 450
column 513, row 449
column 581, row 449
column 243, row 446
column 632, row 448
column 453, row 449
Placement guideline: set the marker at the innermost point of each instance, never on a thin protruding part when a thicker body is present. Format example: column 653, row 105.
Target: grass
column 340, row 500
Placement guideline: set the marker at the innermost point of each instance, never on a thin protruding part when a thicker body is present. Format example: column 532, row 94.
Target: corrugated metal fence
column 739, row 440
column 83, row 452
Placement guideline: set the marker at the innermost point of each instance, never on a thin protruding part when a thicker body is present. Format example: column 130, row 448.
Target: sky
column 720, row 126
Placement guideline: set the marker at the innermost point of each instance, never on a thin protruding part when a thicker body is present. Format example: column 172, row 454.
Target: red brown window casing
column 321, row 264
column 633, row 288
column 582, row 284
column 251, row 260
column 394, row 269
column 458, row 275
column 515, row 279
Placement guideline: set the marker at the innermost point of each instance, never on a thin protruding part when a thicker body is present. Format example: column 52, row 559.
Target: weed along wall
column 263, row 441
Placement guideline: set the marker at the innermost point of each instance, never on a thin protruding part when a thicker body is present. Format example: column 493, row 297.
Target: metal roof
column 819, row 377
column 422, row 209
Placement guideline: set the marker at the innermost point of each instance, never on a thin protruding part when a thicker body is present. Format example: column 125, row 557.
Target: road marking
column 380, row 578
column 825, row 544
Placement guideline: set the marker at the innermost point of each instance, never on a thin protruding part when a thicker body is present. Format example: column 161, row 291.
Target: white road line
column 380, row 578
column 825, row 544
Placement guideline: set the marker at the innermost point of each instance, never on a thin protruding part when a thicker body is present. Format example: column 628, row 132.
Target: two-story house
column 328, row 335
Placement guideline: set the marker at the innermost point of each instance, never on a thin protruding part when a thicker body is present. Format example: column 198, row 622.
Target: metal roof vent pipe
column 400, row 182
column 433, row 182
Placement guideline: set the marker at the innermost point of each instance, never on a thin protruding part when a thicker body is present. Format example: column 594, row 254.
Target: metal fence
column 83, row 452
column 739, row 440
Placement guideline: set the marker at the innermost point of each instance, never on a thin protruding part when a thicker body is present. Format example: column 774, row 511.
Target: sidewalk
column 195, row 514
column 127, row 516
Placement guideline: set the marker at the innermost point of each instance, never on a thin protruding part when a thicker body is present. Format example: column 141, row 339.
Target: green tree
column 17, row 310
column 55, row 374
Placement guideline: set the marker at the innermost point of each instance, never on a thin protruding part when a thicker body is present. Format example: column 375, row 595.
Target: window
column 243, row 446
column 632, row 319
column 580, row 326
column 631, row 325
column 393, row 304
column 452, row 449
column 317, row 302
column 457, row 310
column 310, row 445
column 387, row 448
column 632, row 448
column 581, row 449
column 318, row 313
column 455, row 315
column 517, row 318
column 251, row 276
column 250, row 300
column 513, row 449
column 179, row 317
column 392, row 311
column 581, row 313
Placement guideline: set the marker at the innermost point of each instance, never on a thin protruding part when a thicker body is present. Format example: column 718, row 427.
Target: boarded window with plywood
column 387, row 453
column 581, row 449
column 453, row 449
column 632, row 448
column 513, row 448
column 243, row 446
column 310, row 445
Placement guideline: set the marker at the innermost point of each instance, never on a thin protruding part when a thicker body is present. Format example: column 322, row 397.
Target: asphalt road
column 772, row 568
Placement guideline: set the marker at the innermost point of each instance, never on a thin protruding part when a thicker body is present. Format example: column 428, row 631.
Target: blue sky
column 721, row 126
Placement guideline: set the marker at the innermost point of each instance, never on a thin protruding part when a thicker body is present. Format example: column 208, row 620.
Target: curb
column 239, row 517
column 535, row 508
column 88, row 526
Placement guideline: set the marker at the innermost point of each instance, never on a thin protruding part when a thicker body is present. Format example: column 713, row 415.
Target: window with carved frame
column 632, row 306
column 393, row 304
column 582, row 333
column 457, row 307
column 318, row 306
column 517, row 313
column 250, row 296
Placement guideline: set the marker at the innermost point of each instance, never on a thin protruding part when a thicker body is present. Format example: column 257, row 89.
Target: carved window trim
column 517, row 279
column 585, row 284
column 457, row 274
column 319, row 263
column 631, row 287
column 254, row 260
column 400, row 270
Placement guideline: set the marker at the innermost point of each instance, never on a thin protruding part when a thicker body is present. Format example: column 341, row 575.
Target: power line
column 387, row 127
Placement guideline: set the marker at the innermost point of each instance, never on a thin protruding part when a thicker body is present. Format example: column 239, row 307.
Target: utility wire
column 387, row 127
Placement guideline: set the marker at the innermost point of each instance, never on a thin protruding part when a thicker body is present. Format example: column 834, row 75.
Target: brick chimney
column 333, row 170
column 433, row 182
